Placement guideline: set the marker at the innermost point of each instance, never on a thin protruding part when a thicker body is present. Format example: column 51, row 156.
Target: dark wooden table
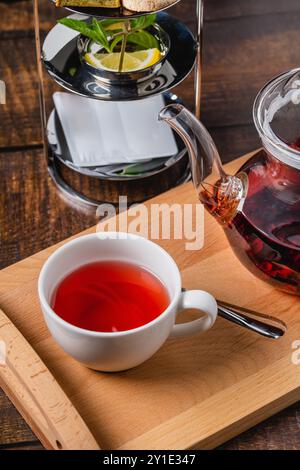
column 246, row 43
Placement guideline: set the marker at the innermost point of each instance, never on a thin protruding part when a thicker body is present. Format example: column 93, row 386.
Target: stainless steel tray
column 62, row 61
column 112, row 12
column 96, row 184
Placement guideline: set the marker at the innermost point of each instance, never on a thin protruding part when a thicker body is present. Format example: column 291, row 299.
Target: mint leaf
column 102, row 38
column 143, row 22
column 79, row 26
column 143, row 39
column 116, row 41
column 97, row 32
column 94, row 31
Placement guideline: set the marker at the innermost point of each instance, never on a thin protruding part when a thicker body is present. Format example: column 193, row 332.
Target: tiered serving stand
column 58, row 55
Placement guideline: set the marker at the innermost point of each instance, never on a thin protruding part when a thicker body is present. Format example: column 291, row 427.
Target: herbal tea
column 259, row 207
column 265, row 234
column 110, row 297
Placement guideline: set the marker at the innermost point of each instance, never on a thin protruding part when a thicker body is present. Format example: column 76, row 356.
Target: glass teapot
column 259, row 207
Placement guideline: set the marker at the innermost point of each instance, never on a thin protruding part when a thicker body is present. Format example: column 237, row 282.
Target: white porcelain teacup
column 121, row 350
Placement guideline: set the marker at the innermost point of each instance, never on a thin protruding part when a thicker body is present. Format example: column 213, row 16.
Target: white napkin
column 104, row 133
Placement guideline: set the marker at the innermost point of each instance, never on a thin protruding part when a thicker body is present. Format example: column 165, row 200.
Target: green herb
column 143, row 22
column 72, row 71
column 101, row 33
column 82, row 27
column 138, row 169
column 132, row 31
column 143, row 39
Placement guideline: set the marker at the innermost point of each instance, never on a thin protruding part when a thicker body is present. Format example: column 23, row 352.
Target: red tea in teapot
column 110, row 297
column 265, row 230
column 265, row 234
column 259, row 208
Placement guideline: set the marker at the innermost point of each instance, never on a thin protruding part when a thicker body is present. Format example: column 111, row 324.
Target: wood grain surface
column 33, row 389
column 223, row 382
column 246, row 43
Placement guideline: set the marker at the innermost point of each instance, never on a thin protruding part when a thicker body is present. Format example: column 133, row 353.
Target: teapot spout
column 203, row 153
column 221, row 193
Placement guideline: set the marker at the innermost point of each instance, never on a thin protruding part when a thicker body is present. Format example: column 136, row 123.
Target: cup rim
column 106, row 236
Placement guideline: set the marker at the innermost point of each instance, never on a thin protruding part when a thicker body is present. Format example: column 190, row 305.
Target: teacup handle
column 200, row 300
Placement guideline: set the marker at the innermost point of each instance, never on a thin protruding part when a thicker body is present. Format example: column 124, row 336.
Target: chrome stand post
column 40, row 75
column 198, row 71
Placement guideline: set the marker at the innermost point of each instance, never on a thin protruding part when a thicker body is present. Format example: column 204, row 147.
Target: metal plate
column 61, row 59
column 91, row 186
column 119, row 13
column 60, row 150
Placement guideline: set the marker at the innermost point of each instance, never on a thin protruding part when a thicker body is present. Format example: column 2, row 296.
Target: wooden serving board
column 194, row 393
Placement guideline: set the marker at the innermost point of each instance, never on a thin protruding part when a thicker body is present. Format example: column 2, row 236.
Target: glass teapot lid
column 277, row 117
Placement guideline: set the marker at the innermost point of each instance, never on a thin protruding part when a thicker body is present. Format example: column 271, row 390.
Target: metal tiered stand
column 57, row 53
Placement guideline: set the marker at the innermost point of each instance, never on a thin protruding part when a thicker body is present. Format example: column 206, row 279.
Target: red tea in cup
column 110, row 296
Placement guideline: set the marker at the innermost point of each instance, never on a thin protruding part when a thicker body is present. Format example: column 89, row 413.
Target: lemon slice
column 148, row 57
column 114, row 26
column 112, row 61
column 133, row 61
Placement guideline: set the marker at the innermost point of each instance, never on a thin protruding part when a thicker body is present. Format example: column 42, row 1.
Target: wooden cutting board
column 194, row 393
